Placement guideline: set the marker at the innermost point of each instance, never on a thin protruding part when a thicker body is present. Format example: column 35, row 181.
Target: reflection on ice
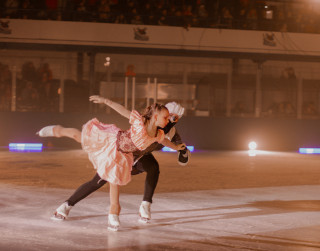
column 221, row 201
column 252, row 153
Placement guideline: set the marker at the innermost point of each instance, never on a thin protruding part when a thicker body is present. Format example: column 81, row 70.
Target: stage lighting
column 25, row 147
column 107, row 63
column 167, row 149
column 252, row 145
column 309, row 150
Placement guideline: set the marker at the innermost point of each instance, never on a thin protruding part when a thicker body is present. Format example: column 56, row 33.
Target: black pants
column 146, row 164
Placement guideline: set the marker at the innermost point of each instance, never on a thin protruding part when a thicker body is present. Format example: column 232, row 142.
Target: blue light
column 309, row 150
column 25, row 147
column 191, row 148
column 167, row 149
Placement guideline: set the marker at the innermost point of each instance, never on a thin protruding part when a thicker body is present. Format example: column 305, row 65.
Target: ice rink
column 220, row 201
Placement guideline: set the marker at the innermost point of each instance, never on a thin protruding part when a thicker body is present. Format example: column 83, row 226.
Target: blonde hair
column 150, row 110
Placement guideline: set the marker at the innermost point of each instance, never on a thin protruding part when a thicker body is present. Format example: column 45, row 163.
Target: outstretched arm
column 173, row 146
column 115, row 106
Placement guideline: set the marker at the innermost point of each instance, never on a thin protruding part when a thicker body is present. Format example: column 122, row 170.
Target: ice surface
column 267, row 202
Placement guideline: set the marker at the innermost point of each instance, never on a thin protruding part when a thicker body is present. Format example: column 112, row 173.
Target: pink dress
column 110, row 149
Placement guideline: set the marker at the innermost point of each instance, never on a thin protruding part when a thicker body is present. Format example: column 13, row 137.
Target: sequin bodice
column 124, row 142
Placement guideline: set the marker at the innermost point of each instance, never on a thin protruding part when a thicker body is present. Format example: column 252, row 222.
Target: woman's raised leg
column 60, row 131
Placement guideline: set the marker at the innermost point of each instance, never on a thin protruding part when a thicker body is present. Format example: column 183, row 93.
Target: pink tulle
column 100, row 142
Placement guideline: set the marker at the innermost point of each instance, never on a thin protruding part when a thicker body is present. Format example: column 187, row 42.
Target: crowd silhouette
column 272, row 15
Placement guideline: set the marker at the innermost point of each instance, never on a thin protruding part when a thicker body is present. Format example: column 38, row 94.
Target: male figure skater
column 144, row 161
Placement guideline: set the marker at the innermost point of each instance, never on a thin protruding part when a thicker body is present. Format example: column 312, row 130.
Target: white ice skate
column 113, row 222
column 61, row 212
column 46, row 131
column 145, row 212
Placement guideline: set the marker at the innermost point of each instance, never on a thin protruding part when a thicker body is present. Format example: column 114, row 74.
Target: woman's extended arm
column 115, row 106
column 173, row 146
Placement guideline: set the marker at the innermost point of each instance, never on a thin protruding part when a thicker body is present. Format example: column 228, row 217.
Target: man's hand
column 181, row 146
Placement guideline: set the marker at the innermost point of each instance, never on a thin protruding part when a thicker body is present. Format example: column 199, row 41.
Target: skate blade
column 57, row 217
column 113, row 228
column 182, row 164
column 144, row 220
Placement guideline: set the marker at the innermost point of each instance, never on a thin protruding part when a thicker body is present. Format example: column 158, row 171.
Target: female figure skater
column 110, row 149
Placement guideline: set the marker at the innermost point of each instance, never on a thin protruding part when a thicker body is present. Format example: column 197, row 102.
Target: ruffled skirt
column 100, row 142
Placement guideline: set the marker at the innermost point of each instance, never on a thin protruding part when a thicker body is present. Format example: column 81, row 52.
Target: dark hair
column 150, row 110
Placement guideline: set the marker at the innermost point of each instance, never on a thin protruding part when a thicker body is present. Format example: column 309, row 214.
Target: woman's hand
column 99, row 100
column 181, row 146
